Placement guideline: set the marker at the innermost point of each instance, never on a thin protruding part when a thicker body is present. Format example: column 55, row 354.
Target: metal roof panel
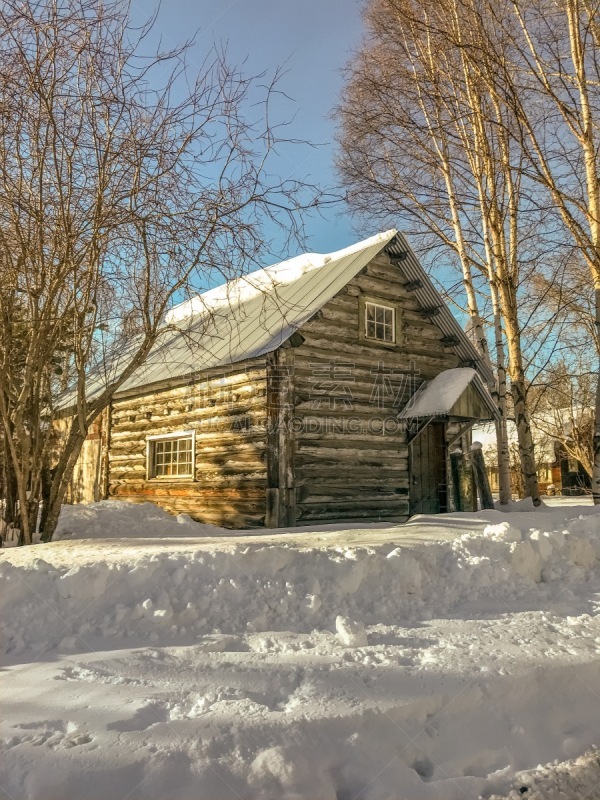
column 242, row 319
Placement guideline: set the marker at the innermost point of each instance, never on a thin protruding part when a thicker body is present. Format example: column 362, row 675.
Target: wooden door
column 428, row 481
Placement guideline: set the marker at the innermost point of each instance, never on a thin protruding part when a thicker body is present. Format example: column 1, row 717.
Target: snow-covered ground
column 147, row 657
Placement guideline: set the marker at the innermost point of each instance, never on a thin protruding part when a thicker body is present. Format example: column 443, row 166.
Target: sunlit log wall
column 227, row 411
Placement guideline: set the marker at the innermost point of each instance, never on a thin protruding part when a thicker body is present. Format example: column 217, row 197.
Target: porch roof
column 455, row 393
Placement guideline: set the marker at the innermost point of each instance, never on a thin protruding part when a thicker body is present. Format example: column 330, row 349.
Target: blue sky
column 312, row 40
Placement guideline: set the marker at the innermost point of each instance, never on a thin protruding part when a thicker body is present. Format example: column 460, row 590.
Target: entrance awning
column 456, row 395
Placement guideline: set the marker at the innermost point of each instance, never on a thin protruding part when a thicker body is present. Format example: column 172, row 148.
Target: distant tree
column 564, row 408
column 124, row 181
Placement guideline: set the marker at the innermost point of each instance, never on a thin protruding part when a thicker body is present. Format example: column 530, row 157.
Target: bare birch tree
column 125, row 179
column 571, row 298
column 551, row 82
column 422, row 135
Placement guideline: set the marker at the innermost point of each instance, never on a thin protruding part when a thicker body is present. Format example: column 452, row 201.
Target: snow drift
column 151, row 591
column 168, row 665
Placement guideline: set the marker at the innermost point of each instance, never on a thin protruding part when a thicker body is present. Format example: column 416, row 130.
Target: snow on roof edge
column 239, row 289
column 438, row 396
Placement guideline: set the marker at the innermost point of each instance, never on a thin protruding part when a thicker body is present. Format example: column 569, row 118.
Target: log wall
column 88, row 483
column 227, row 410
column 351, row 461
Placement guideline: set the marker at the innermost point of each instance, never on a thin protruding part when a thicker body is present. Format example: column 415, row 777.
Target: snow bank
column 525, row 504
column 118, row 519
column 159, row 666
column 152, row 592
column 576, row 779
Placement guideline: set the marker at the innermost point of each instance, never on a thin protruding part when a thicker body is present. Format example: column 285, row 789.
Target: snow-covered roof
column 255, row 314
column 242, row 319
column 440, row 396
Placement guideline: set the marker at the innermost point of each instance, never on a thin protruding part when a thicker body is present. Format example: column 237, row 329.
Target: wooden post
column 455, row 471
column 281, row 494
column 105, row 452
column 481, row 477
column 287, row 494
column 273, row 506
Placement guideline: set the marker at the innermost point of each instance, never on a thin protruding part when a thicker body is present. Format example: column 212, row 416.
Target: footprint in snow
column 56, row 734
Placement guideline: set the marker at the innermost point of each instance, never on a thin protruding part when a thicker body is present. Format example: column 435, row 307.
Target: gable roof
column 255, row 314
column 440, row 397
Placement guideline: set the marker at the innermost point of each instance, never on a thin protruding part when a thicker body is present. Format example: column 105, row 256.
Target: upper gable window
column 380, row 322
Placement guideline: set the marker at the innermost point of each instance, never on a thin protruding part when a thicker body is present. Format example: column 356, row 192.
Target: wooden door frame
column 443, row 462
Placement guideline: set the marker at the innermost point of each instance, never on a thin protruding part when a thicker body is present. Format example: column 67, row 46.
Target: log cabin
column 327, row 388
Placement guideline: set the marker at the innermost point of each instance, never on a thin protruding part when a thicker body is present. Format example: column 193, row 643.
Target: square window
column 172, row 456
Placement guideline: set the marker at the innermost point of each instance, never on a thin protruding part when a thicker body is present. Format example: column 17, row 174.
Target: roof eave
column 428, row 296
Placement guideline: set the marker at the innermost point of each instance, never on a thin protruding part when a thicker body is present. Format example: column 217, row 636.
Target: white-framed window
column 171, row 455
column 380, row 322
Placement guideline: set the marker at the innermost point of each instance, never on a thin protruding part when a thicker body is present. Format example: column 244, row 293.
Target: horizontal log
column 416, row 318
column 362, row 445
column 232, row 384
column 127, row 473
column 427, row 333
column 398, row 484
column 385, row 289
column 382, row 269
column 210, row 473
column 345, row 302
column 207, row 472
column 228, row 415
column 249, row 367
column 197, row 502
column 361, row 352
column 393, row 445
column 335, row 456
column 364, row 371
column 162, row 407
column 192, row 493
column 361, row 404
column 309, row 468
column 254, row 482
column 391, row 480
column 360, row 360
column 352, row 499
column 333, row 504
column 342, row 514
column 355, row 399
